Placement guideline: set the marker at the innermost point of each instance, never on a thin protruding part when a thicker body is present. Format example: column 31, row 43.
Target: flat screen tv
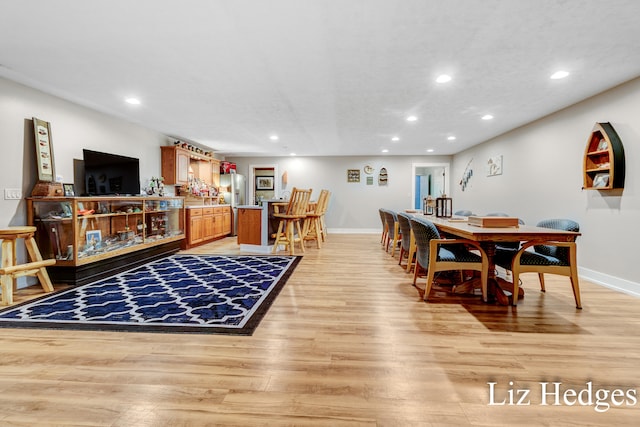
column 111, row 174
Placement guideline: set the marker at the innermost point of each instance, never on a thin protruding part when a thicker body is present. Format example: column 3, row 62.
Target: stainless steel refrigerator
column 234, row 191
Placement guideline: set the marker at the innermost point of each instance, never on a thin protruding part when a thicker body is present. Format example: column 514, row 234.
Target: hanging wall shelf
column 604, row 164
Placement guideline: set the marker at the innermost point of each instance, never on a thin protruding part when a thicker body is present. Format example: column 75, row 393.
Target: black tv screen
column 106, row 173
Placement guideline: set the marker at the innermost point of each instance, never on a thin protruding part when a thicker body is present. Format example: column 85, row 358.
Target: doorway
column 266, row 192
column 429, row 179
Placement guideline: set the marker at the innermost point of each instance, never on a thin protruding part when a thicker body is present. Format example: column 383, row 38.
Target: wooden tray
column 493, row 221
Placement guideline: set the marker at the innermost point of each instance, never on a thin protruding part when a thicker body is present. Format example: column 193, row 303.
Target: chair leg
column 516, row 285
column 541, row 277
column 300, row 236
column 278, row 235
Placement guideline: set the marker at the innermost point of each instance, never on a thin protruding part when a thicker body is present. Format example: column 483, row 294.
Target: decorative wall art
column 494, row 166
column 353, row 175
column 466, row 176
column 382, row 177
column 44, row 150
column 264, row 183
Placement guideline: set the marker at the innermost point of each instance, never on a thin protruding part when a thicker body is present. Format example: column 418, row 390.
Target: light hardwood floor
column 348, row 342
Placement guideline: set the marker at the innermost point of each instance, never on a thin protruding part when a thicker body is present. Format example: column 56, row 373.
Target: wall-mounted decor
column 44, row 150
column 369, row 180
column 353, row 175
column 368, row 169
column 264, row 183
column 382, row 177
column 466, row 176
column 604, row 163
column 494, row 166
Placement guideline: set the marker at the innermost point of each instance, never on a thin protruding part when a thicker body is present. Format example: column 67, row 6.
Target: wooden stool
column 10, row 271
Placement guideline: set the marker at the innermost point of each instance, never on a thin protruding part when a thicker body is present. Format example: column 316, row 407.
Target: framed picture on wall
column 264, row 183
column 353, row 175
column 44, row 150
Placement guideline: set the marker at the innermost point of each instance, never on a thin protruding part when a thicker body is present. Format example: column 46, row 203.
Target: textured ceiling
column 329, row 77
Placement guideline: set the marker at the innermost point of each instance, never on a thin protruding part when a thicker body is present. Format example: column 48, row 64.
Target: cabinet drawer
column 207, row 211
column 195, row 212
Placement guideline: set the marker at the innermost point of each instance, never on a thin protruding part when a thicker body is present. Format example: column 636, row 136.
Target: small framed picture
column 69, row 191
column 602, row 145
column 44, row 150
column 264, row 183
column 601, row 180
column 94, row 237
column 353, row 175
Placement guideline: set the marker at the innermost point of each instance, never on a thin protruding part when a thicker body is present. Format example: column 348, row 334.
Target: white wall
column 72, row 128
column 542, row 178
column 353, row 206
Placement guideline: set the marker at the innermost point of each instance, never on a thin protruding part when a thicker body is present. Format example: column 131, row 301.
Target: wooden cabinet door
column 218, row 222
column 182, row 167
column 226, row 222
column 249, row 226
column 195, row 231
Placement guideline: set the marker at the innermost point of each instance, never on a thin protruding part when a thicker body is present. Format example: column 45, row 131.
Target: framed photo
column 264, row 183
column 601, row 180
column 602, row 145
column 68, row 189
column 94, row 237
column 44, row 150
column 353, row 175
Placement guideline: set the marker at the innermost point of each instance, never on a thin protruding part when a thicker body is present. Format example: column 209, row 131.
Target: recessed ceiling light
column 385, row 151
column 559, row 75
column 132, row 101
column 274, row 137
column 451, row 138
column 412, row 118
column 395, row 139
column 430, row 150
column 444, row 78
column 487, row 117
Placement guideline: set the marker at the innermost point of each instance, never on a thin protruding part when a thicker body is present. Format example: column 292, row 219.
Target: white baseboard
column 256, row 248
column 611, row 282
column 354, row 230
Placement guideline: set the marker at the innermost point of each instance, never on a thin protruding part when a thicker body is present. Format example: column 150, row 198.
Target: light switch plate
column 12, row 194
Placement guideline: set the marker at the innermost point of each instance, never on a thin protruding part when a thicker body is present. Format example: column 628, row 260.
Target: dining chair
column 323, row 225
column 312, row 228
column 407, row 244
column 385, row 227
column 544, row 257
column 393, row 232
column 436, row 254
column 289, row 224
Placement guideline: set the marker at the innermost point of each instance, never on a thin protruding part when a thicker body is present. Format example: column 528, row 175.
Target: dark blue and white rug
column 180, row 293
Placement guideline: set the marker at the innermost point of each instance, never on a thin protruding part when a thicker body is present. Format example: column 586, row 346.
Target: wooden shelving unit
column 604, row 163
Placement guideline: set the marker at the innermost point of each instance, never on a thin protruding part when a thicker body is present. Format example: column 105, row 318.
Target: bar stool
column 10, row 271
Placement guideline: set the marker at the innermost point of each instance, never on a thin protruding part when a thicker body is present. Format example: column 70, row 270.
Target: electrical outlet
column 12, row 194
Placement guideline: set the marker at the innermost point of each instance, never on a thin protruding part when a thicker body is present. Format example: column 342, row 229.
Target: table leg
column 494, row 290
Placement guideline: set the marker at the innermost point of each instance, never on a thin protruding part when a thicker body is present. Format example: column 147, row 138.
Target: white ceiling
column 329, row 77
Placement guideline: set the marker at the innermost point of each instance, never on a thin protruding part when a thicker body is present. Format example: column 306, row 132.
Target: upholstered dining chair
column 407, row 244
column 544, row 257
column 289, row 224
column 385, row 227
column 436, row 254
column 393, row 233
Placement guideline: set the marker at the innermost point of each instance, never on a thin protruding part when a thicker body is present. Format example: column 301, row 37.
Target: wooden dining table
column 489, row 237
